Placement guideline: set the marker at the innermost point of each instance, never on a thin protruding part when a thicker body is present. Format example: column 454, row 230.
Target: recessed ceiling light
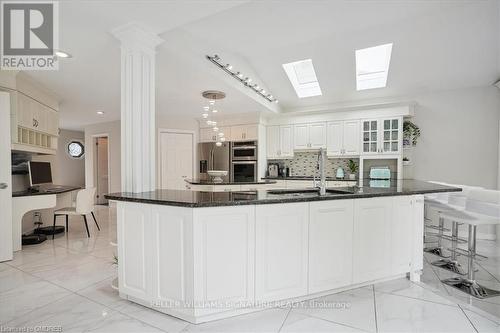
column 303, row 78
column 62, row 54
column 372, row 66
column 100, row 113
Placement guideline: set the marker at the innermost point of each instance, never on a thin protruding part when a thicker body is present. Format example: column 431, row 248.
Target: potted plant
column 353, row 168
column 411, row 133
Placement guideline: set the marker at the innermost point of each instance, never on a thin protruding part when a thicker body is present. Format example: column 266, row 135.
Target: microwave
column 244, row 151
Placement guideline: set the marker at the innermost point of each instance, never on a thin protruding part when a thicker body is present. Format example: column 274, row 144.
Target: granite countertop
column 260, row 197
column 309, row 178
column 208, row 182
column 56, row 189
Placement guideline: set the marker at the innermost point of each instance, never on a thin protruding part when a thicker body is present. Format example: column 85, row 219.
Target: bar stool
column 482, row 207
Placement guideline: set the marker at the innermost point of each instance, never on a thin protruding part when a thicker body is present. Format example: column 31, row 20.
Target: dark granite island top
column 213, row 199
column 309, row 178
column 55, row 189
column 208, row 182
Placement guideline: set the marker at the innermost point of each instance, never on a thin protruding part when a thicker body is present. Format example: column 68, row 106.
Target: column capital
column 137, row 35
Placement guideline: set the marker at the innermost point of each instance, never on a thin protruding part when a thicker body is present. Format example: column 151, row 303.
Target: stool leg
column 451, row 264
column 86, row 225
column 67, row 229
column 54, row 227
column 93, row 216
column 469, row 285
column 438, row 250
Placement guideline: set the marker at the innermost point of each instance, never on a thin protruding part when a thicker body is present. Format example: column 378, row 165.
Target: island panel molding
column 203, row 264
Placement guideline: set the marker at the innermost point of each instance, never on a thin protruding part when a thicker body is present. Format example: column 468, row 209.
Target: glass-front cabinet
column 382, row 136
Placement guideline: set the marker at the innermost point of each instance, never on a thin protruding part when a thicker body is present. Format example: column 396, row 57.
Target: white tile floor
column 66, row 282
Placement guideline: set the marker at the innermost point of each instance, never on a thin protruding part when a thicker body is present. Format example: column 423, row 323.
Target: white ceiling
column 438, row 45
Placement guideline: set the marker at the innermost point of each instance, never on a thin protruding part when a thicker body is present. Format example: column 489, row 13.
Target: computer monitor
column 40, row 173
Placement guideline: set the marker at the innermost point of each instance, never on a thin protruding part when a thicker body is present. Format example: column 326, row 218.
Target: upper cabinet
column 208, row 134
column 309, row 136
column 36, row 126
column 279, row 142
column 343, row 138
column 382, row 136
column 244, row 133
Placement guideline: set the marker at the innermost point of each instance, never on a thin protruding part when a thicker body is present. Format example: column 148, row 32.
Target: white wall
column 112, row 129
column 459, row 140
column 65, row 169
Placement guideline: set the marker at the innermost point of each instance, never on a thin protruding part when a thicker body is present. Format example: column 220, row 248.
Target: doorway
column 101, row 168
column 176, row 156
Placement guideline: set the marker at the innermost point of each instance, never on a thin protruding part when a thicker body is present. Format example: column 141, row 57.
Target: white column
column 138, row 130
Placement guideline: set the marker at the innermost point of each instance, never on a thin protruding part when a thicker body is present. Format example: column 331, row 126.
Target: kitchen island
column 202, row 256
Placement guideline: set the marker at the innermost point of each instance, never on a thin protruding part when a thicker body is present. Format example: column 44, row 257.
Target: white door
column 286, row 141
column 372, row 239
column 101, row 168
column 176, row 159
column 273, row 141
column 334, row 138
column 402, row 234
column 330, row 244
column 301, row 136
column 351, row 137
column 5, row 180
column 281, row 251
column 317, row 135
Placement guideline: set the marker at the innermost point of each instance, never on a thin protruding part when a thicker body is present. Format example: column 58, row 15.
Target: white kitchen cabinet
column 382, row 136
column 330, row 244
column 223, row 265
column 207, row 135
column 343, row 138
column 279, row 142
column 35, row 126
column 401, row 233
column 309, row 136
column 281, row 251
column 372, row 239
column 244, row 133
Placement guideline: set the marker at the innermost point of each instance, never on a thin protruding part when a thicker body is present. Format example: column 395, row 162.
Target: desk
column 25, row 201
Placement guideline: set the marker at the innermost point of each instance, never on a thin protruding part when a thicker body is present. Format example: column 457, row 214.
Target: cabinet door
column 330, row 244
column 251, row 132
column 402, row 231
column 237, row 133
column 24, row 111
column 226, row 131
column 391, row 135
column 301, row 136
column 335, row 138
column 317, row 135
column 207, row 135
column 370, row 136
column 52, row 122
column 351, row 137
column 224, row 261
column 273, row 141
column 281, row 251
column 286, row 141
column 372, row 239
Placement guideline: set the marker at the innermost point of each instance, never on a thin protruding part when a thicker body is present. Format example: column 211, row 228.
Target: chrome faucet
column 321, row 167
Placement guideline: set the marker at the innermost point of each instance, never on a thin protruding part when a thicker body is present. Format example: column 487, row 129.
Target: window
column 303, row 78
column 372, row 66
column 76, row 149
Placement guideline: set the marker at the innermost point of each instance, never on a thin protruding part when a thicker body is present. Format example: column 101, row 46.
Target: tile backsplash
column 304, row 164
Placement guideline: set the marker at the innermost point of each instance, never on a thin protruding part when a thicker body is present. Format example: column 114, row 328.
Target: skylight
column 303, row 78
column 372, row 66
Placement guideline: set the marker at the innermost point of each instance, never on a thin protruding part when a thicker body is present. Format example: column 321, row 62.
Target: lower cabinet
column 330, row 244
column 281, row 251
column 223, row 242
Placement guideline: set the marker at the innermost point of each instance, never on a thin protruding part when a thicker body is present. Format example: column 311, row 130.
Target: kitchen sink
column 306, row 191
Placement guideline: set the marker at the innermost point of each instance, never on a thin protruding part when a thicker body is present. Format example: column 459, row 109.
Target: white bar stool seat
column 482, row 207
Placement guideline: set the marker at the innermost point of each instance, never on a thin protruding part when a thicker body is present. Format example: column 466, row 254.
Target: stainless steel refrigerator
column 214, row 158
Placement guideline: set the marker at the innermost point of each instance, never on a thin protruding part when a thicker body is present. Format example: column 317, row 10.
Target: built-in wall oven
column 244, row 151
column 244, row 162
